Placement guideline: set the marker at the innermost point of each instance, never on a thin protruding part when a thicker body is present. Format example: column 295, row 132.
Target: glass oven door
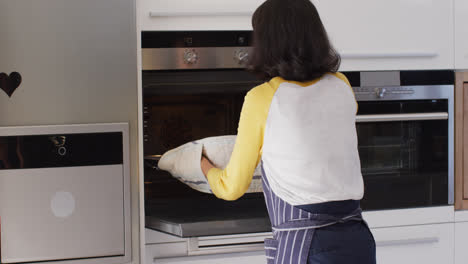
column 404, row 151
column 179, row 107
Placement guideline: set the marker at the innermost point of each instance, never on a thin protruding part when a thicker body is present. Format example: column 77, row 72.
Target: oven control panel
column 190, row 56
column 195, row 50
column 383, row 92
column 241, row 56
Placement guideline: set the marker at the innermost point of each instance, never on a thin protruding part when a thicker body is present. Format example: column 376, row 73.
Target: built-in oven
column 405, row 137
column 194, row 85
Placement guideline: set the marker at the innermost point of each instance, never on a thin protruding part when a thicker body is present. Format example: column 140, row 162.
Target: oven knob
column 380, row 92
column 62, row 151
column 241, row 56
column 190, row 57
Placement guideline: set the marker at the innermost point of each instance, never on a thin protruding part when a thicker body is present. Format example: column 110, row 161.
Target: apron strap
column 317, row 221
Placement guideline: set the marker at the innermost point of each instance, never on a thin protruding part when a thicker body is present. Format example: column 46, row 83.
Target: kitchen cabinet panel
column 461, row 141
column 156, row 237
column 461, row 240
column 409, row 217
column 78, row 65
column 409, row 244
column 461, row 34
column 370, row 35
column 202, row 15
column 165, row 250
column 461, row 216
column 390, row 35
column 429, row 244
column 158, row 246
column 257, row 257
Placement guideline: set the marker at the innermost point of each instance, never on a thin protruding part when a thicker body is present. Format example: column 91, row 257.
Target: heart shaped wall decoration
column 9, row 83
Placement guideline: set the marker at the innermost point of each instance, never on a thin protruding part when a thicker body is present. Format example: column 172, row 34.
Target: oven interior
column 404, row 163
column 179, row 107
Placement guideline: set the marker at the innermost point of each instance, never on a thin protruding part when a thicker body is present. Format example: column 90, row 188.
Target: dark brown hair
column 290, row 41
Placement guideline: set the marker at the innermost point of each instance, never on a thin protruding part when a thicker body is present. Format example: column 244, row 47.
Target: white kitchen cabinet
column 461, row 236
column 410, row 217
column 419, row 235
column 461, row 216
column 428, row 244
column 165, row 247
column 461, row 241
column 257, row 257
column 196, row 15
column 165, row 250
column 461, row 34
column 369, row 34
column 78, row 65
column 390, row 35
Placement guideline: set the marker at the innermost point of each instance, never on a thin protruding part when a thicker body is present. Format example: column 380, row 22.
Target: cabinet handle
column 403, row 242
column 198, row 13
column 383, row 55
column 401, row 117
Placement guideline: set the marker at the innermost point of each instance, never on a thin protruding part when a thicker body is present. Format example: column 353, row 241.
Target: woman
column 300, row 124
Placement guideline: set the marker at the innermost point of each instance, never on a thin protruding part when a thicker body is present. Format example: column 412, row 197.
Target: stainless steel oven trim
column 228, row 57
column 451, row 150
column 402, row 117
column 404, row 242
column 397, row 93
column 199, row 58
column 421, row 92
column 227, row 243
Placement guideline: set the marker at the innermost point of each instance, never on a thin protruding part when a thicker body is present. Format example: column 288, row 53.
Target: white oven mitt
column 184, row 162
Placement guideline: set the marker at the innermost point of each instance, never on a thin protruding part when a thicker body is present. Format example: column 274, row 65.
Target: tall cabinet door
column 461, row 141
column 78, row 65
column 461, row 34
column 386, row 35
column 77, row 60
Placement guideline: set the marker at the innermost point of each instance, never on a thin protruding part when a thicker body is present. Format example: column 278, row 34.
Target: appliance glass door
column 403, row 148
column 179, row 107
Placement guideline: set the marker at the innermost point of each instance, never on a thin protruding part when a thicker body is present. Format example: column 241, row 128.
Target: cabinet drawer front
column 461, row 34
column 386, row 35
column 429, row 244
column 461, row 240
column 415, row 244
column 244, row 258
column 165, row 250
column 204, row 15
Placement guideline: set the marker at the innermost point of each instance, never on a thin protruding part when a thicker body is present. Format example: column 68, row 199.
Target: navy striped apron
column 293, row 228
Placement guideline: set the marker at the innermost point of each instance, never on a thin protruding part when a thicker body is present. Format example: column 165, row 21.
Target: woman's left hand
column 206, row 165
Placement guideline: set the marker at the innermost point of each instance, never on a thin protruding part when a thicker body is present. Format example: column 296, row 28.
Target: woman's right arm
column 232, row 182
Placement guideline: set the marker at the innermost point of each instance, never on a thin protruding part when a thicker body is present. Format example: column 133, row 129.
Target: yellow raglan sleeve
column 342, row 77
column 232, row 182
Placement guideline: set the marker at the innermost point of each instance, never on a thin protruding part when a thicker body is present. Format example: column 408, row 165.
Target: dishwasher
column 65, row 194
